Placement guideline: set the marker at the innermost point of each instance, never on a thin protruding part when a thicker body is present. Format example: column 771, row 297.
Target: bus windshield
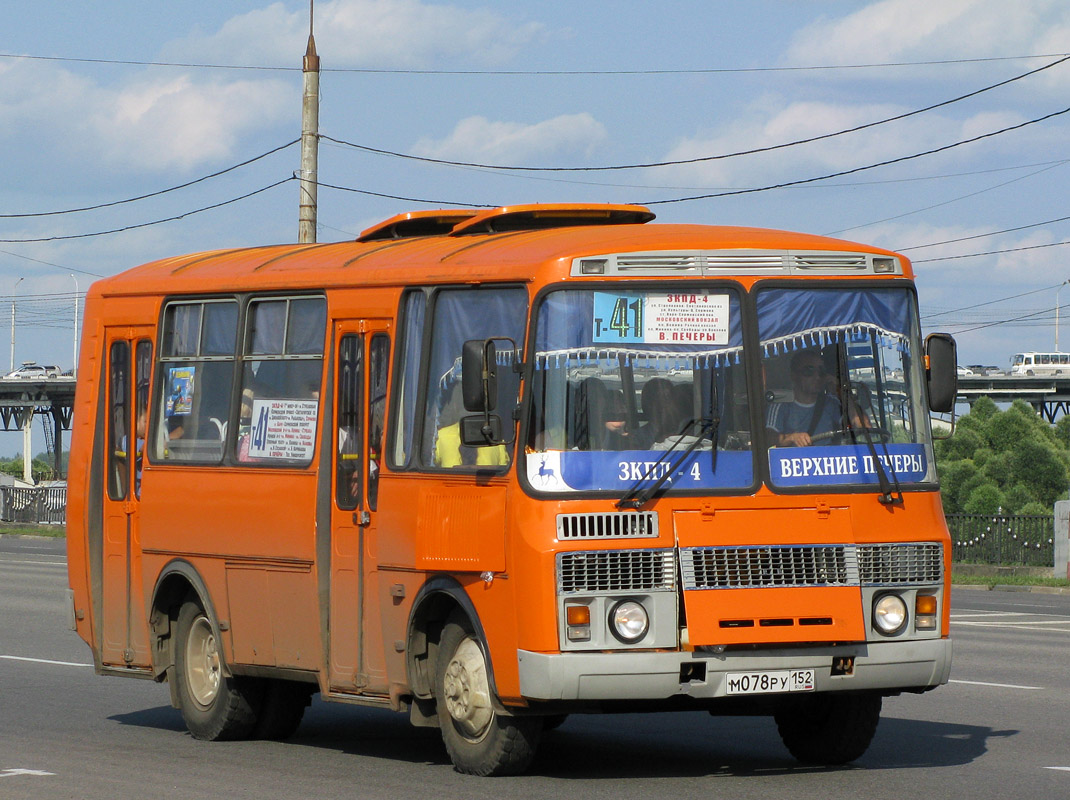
column 631, row 384
column 627, row 381
column 843, row 387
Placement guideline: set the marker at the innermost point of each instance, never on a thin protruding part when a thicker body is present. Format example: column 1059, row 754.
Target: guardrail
column 41, row 505
column 1004, row 539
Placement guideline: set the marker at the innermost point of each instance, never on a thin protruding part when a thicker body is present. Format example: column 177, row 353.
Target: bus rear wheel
column 215, row 706
column 829, row 729
column 479, row 739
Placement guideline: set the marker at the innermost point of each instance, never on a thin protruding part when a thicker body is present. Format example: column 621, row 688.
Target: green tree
column 985, row 499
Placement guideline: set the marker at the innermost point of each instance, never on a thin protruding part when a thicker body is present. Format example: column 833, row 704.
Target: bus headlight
column 889, row 614
column 629, row 621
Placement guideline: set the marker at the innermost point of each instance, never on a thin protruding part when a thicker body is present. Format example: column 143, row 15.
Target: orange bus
column 493, row 468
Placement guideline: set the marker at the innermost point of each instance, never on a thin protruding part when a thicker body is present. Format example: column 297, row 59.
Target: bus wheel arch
column 437, row 600
column 177, row 581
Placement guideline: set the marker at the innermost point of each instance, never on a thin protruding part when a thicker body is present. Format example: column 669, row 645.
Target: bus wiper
column 635, row 498
column 886, row 498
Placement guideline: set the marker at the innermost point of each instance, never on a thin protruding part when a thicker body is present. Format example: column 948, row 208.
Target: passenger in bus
column 662, row 411
column 814, row 408
column 448, row 451
column 599, row 417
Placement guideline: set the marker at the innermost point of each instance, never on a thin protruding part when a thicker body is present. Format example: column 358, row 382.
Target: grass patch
column 1007, row 580
column 20, row 529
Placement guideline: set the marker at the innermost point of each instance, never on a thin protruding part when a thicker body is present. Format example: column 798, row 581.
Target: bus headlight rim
column 890, row 615
column 629, row 621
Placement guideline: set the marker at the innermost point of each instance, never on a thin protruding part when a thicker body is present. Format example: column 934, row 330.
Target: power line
column 50, row 264
column 1030, row 316
column 404, row 199
column 859, row 169
column 946, row 202
column 152, row 194
column 991, row 252
column 990, row 302
column 984, row 235
column 698, row 159
column 153, row 222
column 535, row 72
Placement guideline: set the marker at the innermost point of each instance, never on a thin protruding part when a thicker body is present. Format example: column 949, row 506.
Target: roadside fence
column 41, row 505
column 1003, row 539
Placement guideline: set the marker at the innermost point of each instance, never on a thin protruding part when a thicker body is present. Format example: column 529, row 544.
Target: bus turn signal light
column 578, row 623
column 925, row 612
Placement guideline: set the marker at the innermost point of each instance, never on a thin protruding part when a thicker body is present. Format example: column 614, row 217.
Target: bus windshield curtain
column 791, row 319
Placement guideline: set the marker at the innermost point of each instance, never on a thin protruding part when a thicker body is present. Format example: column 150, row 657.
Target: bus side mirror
column 479, row 376
column 941, row 372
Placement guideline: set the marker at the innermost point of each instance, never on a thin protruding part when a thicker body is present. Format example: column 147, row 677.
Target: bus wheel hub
column 466, row 690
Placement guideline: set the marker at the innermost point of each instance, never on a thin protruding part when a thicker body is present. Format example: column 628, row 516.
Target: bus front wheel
column 479, row 739
column 830, row 729
column 214, row 705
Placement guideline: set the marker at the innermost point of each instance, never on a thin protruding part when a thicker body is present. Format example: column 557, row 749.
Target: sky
column 908, row 124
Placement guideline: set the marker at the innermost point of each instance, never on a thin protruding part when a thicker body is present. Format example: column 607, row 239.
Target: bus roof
column 508, row 243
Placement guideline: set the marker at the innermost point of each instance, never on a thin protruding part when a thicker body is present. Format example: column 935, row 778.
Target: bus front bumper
column 635, row 675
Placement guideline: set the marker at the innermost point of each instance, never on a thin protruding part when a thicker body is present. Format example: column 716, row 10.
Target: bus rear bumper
column 632, row 675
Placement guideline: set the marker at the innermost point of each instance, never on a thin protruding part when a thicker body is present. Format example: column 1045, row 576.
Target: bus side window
column 281, row 375
column 378, row 372
column 348, row 473
column 410, row 345
column 142, row 370
column 195, row 378
column 119, row 440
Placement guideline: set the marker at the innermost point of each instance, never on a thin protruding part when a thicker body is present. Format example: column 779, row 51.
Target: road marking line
column 10, row 773
column 1064, row 769
column 1011, row 626
column 26, row 561
column 47, row 661
column 997, row 685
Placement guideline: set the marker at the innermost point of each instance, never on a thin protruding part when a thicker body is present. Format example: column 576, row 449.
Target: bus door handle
column 362, row 519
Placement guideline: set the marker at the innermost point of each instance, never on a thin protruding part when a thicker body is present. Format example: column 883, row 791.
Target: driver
column 814, row 409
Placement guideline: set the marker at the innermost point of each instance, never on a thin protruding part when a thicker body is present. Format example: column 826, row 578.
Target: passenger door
column 356, row 659
column 124, row 629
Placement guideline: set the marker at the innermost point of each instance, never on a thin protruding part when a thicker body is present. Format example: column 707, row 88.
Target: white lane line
column 1064, row 769
column 47, row 661
column 27, row 561
column 1011, row 626
column 997, row 685
column 10, row 773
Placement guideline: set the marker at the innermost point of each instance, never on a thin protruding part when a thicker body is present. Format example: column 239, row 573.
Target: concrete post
column 1062, row 539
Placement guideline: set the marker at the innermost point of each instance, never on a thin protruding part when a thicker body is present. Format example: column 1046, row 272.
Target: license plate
column 770, row 682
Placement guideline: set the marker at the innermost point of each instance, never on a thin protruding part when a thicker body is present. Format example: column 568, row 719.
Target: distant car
column 31, row 370
column 962, row 371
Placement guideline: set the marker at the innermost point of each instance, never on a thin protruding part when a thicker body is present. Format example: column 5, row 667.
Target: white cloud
column 179, row 123
column 371, row 33
column 157, row 122
column 923, row 29
column 480, row 139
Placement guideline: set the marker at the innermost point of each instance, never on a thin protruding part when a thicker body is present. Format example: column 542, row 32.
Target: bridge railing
column 41, row 505
column 1004, row 539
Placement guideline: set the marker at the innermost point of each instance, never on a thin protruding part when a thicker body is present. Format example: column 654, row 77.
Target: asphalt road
column 998, row 730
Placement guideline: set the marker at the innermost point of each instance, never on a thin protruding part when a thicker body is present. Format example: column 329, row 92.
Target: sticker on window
column 284, row 429
column 660, row 318
column 180, row 391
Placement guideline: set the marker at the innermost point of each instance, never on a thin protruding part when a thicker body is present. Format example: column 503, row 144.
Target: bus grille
column 616, row 571
column 611, row 525
column 894, row 564
column 750, row 567
column 812, row 565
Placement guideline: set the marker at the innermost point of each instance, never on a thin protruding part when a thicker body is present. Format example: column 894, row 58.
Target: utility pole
column 13, row 323
column 310, row 122
column 77, row 295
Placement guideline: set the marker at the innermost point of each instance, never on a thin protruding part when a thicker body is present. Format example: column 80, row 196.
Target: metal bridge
column 52, row 399
column 1048, row 395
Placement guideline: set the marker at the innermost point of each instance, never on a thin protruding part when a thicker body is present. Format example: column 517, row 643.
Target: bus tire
column 213, row 705
column 281, row 709
column 479, row 739
column 829, row 729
